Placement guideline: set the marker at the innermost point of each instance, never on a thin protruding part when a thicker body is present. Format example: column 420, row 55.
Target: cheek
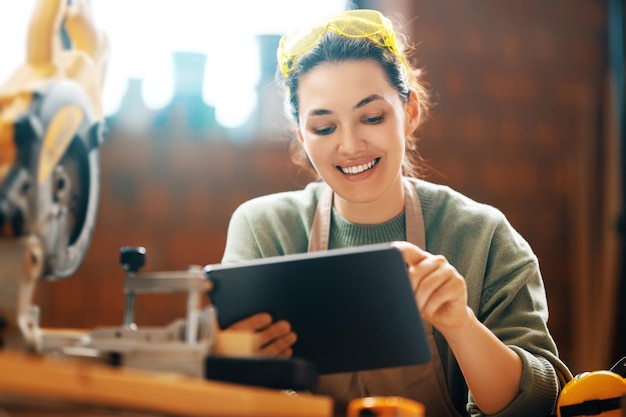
column 305, row 143
column 313, row 150
column 321, row 154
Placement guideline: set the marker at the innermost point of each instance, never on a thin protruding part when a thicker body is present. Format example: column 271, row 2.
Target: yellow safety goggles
column 359, row 23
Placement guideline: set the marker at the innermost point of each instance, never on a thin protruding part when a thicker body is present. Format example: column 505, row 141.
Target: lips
column 357, row 169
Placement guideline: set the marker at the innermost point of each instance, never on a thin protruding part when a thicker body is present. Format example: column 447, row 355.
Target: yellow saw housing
column 51, row 125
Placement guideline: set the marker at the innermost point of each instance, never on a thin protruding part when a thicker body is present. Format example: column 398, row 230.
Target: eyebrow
column 366, row 100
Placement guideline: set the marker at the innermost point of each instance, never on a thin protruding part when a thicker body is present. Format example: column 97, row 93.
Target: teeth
column 359, row 168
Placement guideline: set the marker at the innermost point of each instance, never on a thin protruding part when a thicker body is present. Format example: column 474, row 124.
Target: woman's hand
column 491, row 369
column 440, row 291
column 275, row 339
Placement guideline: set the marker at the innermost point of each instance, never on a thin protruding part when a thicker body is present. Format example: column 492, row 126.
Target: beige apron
column 424, row 383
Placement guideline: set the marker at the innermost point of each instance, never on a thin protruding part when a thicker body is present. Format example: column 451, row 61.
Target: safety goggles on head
column 360, row 23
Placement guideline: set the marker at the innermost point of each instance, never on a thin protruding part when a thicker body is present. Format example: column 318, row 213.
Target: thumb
column 412, row 256
column 411, row 253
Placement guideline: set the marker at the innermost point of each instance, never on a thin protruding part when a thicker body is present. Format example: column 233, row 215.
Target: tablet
column 353, row 309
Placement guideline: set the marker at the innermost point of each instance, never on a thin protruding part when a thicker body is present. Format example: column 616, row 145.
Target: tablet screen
column 353, row 308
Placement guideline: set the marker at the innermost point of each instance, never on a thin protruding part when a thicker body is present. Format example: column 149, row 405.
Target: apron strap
column 320, row 229
column 414, row 218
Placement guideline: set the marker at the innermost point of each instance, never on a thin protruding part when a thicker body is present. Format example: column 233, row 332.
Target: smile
column 357, row 169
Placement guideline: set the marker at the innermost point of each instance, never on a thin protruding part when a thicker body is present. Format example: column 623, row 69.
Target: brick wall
column 519, row 87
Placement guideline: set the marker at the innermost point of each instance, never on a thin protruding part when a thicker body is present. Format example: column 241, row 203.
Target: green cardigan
column 504, row 284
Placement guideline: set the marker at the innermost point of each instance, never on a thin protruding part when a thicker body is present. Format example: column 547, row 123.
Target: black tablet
column 353, row 309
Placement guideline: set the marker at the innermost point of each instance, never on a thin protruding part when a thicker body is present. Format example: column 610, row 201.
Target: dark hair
column 334, row 48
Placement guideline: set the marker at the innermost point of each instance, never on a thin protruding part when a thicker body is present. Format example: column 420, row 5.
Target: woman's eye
column 373, row 120
column 324, row 131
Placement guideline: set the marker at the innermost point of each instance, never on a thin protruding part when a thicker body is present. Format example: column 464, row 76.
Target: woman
column 356, row 104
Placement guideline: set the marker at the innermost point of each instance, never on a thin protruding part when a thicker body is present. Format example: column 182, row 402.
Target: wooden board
column 33, row 385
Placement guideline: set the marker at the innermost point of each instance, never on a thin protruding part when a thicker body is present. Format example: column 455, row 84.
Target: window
column 145, row 34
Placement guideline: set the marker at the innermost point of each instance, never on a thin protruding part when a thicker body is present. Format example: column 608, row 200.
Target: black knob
column 132, row 258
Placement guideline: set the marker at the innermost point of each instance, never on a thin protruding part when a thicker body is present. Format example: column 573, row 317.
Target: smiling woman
column 356, row 105
column 145, row 34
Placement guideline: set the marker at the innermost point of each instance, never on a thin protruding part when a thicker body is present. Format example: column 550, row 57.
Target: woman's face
column 353, row 127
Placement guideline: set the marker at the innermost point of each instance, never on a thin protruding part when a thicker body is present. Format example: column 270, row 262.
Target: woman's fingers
column 425, row 268
column 280, row 346
column 440, row 291
column 273, row 332
column 411, row 253
column 430, row 275
column 443, row 301
column 274, row 339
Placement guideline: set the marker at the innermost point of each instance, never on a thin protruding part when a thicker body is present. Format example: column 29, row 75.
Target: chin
column 358, row 194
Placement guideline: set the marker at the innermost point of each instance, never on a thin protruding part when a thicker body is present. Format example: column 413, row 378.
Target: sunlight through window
column 145, row 35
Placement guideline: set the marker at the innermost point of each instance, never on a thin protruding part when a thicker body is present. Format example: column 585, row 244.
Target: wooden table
column 33, row 385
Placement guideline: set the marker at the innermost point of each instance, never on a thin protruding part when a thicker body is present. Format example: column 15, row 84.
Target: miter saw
column 51, row 127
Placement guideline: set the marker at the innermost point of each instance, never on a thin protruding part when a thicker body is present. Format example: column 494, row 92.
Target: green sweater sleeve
column 272, row 225
column 505, row 290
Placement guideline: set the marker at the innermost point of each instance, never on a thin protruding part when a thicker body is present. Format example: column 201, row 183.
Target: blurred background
column 527, row 119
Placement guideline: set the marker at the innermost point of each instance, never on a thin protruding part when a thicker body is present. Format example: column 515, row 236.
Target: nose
column 351, row 141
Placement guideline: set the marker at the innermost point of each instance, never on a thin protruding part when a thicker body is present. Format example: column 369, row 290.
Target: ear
column 412, row 112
